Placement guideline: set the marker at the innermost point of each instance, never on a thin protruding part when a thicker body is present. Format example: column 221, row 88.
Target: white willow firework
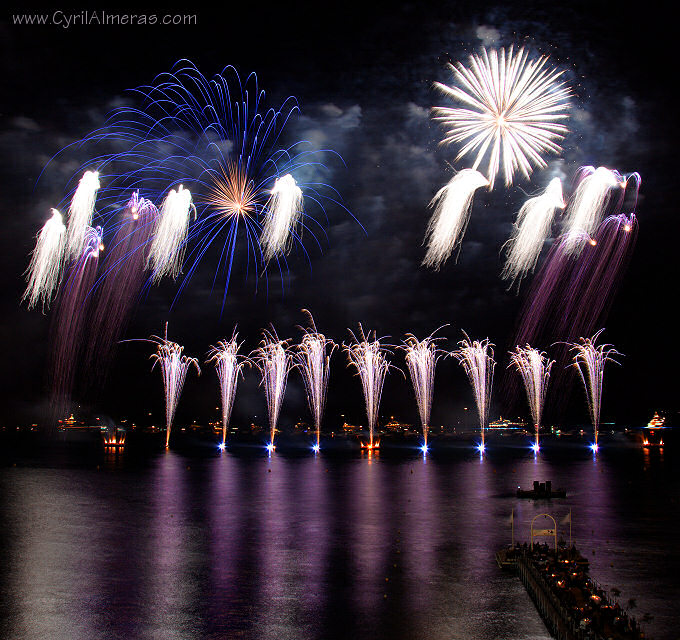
column 174, row 367
column 514, row 109
column 274, row 360
column 451, row 215
column 590, row 360
column 43, row 272
column 313, row 356
column 534, row 366
column 421, row 360
column 530, row 231
column 476, row 357
column 228, row 364
column 588, row 206
column 80, row 212
column 169, row 242
column 283, row 213
column 368, row 357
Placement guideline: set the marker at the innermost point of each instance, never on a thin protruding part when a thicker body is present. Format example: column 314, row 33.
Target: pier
column 572, row 605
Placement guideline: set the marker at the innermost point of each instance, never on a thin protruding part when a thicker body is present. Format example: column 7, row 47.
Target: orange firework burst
column 233, row 192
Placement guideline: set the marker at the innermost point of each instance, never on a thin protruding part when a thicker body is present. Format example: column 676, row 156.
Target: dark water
column 248, row 547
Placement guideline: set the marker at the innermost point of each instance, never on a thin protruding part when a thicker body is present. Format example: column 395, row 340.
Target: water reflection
column 314, row 547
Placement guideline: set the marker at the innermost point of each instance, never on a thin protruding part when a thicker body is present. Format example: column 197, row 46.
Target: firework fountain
column 228, row 364
column 534, row 367
column 274, row 360
column 368, row 357
column 590, row 360
column 313, row 356
column 477, row 359
column 421, row 360
column 43, row 272
column 530, row 231
column 451, row 215
column 174, row 366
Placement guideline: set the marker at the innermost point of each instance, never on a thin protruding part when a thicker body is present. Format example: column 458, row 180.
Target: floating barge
column 541, row 491
column 572, row 605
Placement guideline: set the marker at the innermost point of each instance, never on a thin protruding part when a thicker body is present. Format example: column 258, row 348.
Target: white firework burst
column 513, row 114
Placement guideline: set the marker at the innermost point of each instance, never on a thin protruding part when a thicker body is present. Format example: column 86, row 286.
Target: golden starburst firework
column 233, row 192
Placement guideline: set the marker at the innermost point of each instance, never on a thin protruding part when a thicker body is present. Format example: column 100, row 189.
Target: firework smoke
column 80, row 213
column 44, row 269
column 168, row 245
column 449, row 221
column 313, row 356
column 421, row 360
column 228, row 364
column 174, row 367
column 530, row 231
column 514, row 109
column 284, row 210
column 477, row 360
column 368, row 357
column 274, row 360
column 590, row 361
column 534, row 367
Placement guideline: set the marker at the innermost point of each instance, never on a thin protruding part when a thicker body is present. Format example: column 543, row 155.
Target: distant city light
column 221, row 446
column 270, row 448
column 316, row 448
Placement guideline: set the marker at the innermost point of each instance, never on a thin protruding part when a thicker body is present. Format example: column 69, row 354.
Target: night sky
column 363, row 75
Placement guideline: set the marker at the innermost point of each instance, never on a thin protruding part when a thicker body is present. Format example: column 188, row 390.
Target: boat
column 541, row 491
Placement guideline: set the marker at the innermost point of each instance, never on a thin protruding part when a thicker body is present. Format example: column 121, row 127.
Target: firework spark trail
column 449, row 221
column 43, row 272
column 313, row 356
column 477, row 359
column 534, row 367
column 421, row 359
column 589, row 204
column 274, row 360
column 228, row 364
column 368, row 357
column 530, row 231
column 124, row 273
column 68, row 320
column 590, row 360
column 284, row 210
column 174, row 366
column 80, row 213
column 169, row 239
column 514, row 108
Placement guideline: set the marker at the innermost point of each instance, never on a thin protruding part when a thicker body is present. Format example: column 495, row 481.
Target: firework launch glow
column 590, row 360
column 421, row 359
column 530, row 231
column 313, row 356
column 228, row 364
column 368, row 357
column 477, row 360
column 44, row 270
column 513, row 114
column 452, row 204
column 534, row 367
column 274, row 360
column 174, row 367
column 80, row 213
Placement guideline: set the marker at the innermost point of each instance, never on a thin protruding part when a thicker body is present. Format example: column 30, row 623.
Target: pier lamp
column 424, row 448
column 316, row 448
column 594, row 447
column 535, row 448
column 221, row 446
column 270, row 448
column 481, row 448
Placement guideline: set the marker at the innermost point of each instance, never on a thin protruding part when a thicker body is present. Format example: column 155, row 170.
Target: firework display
column 513, row 113
column 80, row 213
